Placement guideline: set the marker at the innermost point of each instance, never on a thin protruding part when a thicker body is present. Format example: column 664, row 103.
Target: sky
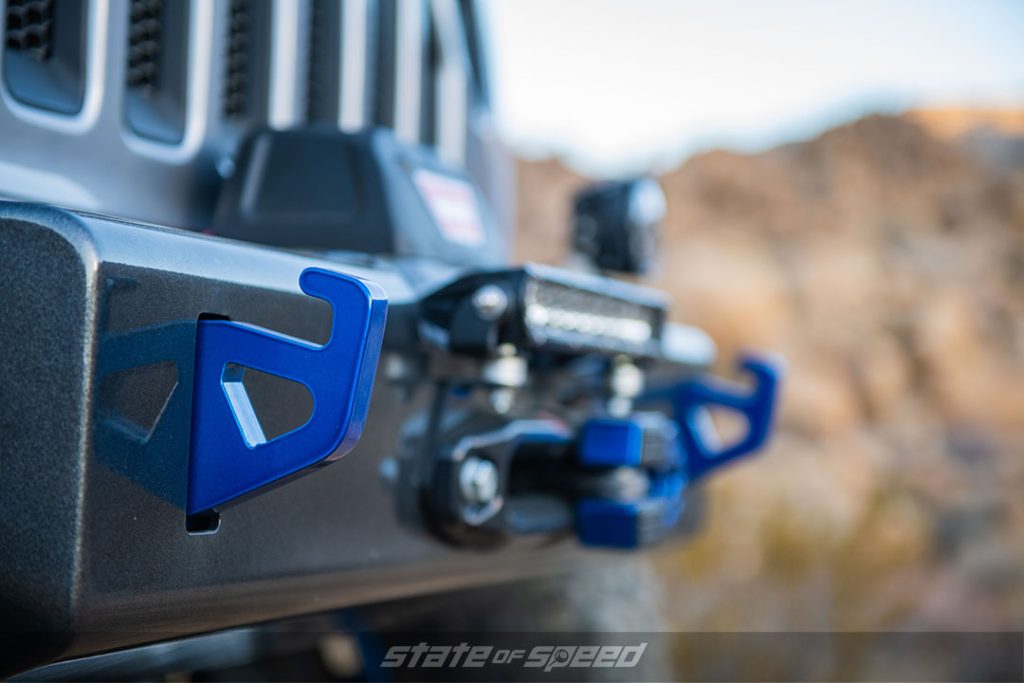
column 620, row 86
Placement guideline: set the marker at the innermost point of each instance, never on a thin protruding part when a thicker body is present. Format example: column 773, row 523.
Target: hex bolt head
column 502, row 400
column 490, row 302
column 478, row 480
column 627, row 380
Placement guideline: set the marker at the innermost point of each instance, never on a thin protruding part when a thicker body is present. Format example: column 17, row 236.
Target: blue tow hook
column 691, row 399
column 670, row 453
column 230, row 457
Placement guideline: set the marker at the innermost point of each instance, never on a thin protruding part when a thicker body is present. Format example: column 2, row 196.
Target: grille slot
column 323, row 77
column 144, row 36
column 429, row 66
column 445, row 81
column 156, row 70
column 247, row 62
column 384, row 62
column 29, row 28
column 236, row 78
column 402, row 43
column 44, row 53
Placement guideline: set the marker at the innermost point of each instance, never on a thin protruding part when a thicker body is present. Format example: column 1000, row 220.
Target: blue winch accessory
column 606, row 442
column 230, row 456
column 645, row 441
column 606, row 523
column 757, row 405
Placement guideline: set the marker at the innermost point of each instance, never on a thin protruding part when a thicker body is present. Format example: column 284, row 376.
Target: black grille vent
column 247, row 61
column 30, row 28
column 324, row 61
column 429, row 67
column 236, row 78
column 44, row 53
column 384, row 64
column 144, row 44
column 156, row 71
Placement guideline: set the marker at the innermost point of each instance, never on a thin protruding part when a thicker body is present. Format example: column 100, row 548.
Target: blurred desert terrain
column 885, row 260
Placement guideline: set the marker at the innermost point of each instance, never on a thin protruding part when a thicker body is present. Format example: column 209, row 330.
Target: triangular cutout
column 134, row 399
column 266, row 406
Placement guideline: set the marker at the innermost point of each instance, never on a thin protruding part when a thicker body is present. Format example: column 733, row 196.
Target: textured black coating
column 94, row 552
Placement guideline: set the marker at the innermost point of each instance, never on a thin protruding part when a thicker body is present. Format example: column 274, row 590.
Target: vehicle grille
column 195, row 76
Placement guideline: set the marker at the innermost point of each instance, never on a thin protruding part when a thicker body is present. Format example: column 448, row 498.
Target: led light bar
column 547, row 308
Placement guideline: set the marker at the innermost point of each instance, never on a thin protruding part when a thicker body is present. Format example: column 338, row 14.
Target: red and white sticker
column 453, row 205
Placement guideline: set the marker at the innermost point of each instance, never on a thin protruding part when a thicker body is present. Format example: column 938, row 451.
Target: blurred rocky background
column 885, row 260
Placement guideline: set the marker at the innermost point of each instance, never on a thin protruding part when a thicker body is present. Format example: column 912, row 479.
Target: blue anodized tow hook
column 230, row 457
column 684, row 450
column 691, row 398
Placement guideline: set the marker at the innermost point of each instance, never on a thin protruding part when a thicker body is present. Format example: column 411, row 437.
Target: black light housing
column 616, row 224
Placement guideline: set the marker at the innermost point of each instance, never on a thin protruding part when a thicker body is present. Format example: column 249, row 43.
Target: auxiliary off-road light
column 541, row 307
column 616, row 224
